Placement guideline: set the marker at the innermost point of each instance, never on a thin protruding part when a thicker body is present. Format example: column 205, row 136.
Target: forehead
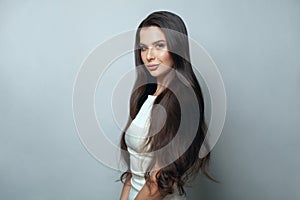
column 151, row 34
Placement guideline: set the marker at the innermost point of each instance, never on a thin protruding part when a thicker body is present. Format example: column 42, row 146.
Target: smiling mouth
column 152, row 67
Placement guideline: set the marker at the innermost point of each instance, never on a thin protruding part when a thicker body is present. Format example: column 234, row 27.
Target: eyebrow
column 158, row 41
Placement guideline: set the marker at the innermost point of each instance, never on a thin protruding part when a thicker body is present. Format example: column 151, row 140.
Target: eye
column 160, row 45
column 143, row 47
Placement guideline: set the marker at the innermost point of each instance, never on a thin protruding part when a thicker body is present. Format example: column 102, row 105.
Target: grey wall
column 255, row 44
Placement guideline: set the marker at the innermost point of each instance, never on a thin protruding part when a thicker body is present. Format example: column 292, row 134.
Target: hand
column 126, row 188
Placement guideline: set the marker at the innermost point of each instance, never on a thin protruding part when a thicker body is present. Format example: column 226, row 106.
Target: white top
column 135, row 138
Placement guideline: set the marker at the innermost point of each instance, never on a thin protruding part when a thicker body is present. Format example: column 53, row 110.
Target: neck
column 163, row 82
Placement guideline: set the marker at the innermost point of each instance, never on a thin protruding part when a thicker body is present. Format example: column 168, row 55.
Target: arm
column 150, row 190
column 126, row 188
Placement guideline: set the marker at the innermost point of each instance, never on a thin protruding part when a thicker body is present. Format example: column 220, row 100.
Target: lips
column 152, row 66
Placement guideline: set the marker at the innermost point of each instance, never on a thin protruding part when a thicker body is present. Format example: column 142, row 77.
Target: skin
column 154, row 50
column 126, row 189
column 159, row 63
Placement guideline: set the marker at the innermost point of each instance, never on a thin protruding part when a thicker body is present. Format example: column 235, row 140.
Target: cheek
column 166, row 58
column 143, row 56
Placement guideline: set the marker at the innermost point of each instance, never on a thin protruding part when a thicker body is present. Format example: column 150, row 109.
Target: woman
column 166, row 129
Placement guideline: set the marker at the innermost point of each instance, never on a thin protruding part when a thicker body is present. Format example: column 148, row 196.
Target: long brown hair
column 180, row 137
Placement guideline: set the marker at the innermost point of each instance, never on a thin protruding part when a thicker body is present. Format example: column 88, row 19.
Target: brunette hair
column 181, row 138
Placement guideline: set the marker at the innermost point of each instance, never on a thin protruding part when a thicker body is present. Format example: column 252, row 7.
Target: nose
column 150, row 55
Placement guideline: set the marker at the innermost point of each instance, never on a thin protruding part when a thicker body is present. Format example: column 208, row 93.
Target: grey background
column 255, row 44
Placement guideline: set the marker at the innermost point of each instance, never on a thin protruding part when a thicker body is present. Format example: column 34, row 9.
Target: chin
column 154, row 73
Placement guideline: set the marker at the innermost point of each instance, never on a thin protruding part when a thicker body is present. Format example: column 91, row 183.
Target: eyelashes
column 157, row 46
column 160, row 45
column 143, row 48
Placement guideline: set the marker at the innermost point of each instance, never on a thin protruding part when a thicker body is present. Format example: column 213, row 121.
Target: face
column 154, row 51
